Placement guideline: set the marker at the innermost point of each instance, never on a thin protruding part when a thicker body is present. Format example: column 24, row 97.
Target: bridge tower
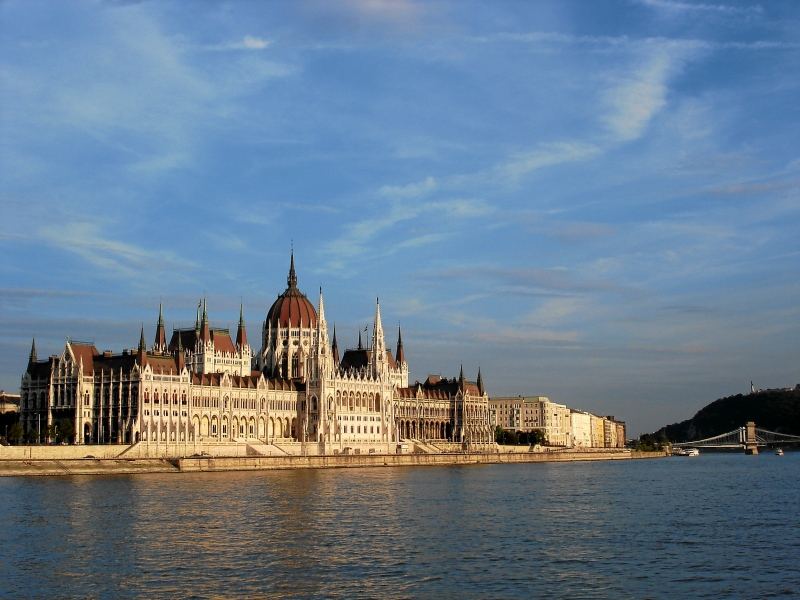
column 750, row 444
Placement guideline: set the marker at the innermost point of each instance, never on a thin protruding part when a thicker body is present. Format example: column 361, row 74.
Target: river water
column 715, row 526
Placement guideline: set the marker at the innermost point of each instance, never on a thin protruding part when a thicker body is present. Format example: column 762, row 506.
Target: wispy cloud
column 248, row 42
column 546, row 155
column 357, row 236
column 695, row 7
column 629, row 42
column 642, row 93
column 409, row 190
column 539, row 280
column 87, row 240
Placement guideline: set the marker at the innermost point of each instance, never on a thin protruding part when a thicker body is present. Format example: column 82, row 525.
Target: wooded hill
column 775, row 410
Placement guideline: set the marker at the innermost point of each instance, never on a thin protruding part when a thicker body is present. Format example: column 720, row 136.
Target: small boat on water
column 686, row 452
column 779, row 452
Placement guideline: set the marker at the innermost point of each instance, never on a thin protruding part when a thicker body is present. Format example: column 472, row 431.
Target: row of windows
column 357, row 429
column 165, row 413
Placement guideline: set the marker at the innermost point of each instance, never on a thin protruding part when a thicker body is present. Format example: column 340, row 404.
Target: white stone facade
column 205, row 387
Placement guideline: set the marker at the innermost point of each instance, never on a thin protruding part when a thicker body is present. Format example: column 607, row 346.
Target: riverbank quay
column 123, row 466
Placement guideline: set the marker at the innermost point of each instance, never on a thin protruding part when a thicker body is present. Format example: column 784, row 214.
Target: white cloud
column 641, row 94
column 553, row 310
column 677, row 6
column 546, row 155
column 359, row 235
column 255, row 43
column 402, row 12
column 411, row 190
column 248, row 42
column 86, row 239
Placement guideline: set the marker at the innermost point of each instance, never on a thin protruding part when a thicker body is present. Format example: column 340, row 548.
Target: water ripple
column 721, row 526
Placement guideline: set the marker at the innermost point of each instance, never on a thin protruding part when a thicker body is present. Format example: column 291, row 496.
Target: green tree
column 65, row 430
column 15, row 433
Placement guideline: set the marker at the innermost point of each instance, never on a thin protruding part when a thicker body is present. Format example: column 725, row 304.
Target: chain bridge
column 749, row 438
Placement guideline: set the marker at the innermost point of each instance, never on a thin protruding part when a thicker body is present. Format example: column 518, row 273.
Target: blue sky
column 595, row 201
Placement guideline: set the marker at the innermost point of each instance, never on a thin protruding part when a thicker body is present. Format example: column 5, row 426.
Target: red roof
column 292, row 307
column 86, row 353
column 222, row 341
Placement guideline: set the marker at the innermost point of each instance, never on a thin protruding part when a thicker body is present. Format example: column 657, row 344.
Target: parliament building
column 202, row 385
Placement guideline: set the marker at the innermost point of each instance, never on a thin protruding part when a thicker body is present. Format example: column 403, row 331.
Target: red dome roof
column 292, row 306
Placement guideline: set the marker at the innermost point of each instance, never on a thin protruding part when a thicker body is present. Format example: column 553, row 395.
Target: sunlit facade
column 206, row 386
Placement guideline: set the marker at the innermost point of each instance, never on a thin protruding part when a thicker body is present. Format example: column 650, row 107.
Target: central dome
column 292, row 306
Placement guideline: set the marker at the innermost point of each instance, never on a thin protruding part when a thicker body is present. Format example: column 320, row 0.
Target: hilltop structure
column 205, row 385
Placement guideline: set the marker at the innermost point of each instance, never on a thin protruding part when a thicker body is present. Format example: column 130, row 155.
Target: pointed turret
column 480, row 382
column 378, row 358
column 205, row 332
column 321, row 309
column 335, row 349
column 400, row 355
column 241, row 332
column 142, row 351
column 160, row 343
column 181, row 356
column 291, row 280
column 32, row 356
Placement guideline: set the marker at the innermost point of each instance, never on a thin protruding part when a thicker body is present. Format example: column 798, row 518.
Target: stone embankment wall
column 17, row 467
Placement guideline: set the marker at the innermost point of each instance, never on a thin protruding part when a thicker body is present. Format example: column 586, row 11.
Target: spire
column 335, row 347
column 205, row 333
column 378, row 326
column 321, row 310
column 160, row 343
column 461, row 376
column 241, row 333
column 179, row 355
column 360, row 345
column 197, row 318
column 378, row 339
column 400, row 355
column 32, row 357
column 480, row 382
column 291, row 280
column 142, row 345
